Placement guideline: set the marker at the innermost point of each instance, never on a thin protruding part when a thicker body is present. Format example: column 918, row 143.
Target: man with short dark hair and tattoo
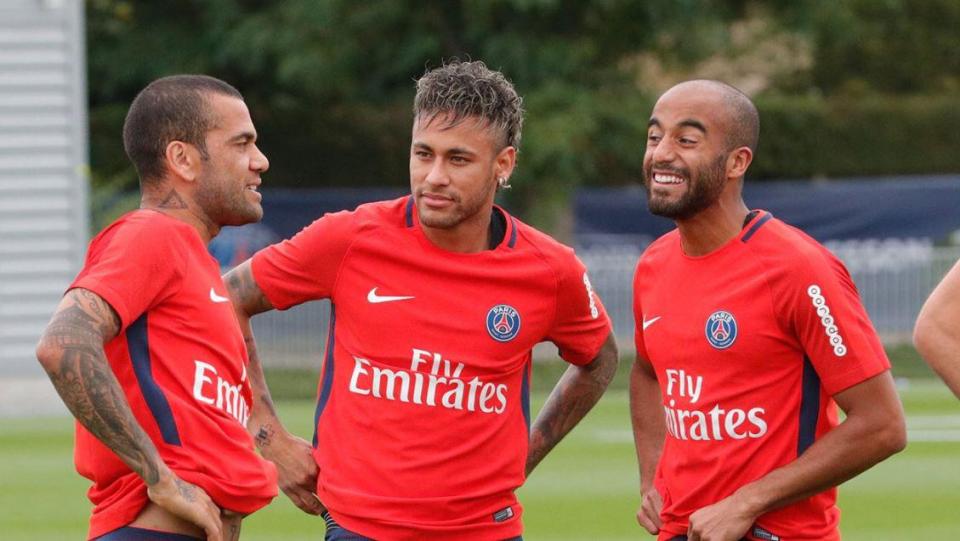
column 749, row 334
column 145, row 349
column 423, row 427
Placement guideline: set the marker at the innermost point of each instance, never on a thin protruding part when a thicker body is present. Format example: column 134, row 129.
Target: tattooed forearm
column 71, row 351
column 574, row 395
column 248, row 300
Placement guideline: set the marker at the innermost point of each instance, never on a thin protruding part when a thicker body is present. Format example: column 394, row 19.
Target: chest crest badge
column 503, row 322
column 721, row 329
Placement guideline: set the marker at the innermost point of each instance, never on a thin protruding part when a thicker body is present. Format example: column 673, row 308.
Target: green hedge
column 803, row 137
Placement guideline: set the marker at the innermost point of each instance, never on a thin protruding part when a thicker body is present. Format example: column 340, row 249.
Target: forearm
column 873, row 430
column 575, row 394
column 264, row 423
column 646, row 417
column 82, row 376
column 248, row 300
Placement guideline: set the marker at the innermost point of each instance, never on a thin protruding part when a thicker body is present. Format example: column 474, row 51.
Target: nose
column 663, row 152
column 259, row 162
column 437, row 175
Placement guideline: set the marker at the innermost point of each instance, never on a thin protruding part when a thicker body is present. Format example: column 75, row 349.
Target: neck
column 713, row 227
column 176, row 204
column 468, row 237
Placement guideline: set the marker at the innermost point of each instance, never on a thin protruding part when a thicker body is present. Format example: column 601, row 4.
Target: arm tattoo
column 82, row 376
column 244, row 291
column 249, row 300
column 265, row 435
column 575, row 394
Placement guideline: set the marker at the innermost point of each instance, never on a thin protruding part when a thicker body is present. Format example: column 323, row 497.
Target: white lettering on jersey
column 594, row 311
column 687, row 385
column 715, row 424
column 432, row 389
column 833, row 333
column 220, row 393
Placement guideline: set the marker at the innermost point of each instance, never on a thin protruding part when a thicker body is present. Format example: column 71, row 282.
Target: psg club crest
column 721, row 329
column 503, row 322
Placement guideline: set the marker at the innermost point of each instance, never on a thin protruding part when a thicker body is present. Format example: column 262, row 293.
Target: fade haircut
column 173, row 108
column 461, row 90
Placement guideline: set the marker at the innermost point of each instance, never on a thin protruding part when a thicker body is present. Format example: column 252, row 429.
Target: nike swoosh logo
column 373, row 298
column 648, row 322
column 217, row 298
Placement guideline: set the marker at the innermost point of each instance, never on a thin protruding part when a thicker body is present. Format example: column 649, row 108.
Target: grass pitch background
column 587, row 488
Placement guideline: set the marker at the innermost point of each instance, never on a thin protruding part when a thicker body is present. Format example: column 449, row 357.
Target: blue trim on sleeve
column 753, row 229
column 327, row 384
column 152, row 393
column 809, row 407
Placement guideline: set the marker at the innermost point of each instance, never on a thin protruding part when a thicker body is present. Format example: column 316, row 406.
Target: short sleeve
column 133, row 267
column 305, row 267
column 831, row 323
column 582, row 325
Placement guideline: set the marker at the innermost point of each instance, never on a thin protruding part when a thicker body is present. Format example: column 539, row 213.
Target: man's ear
column 506, row 160
column 182, row 160
column 738, row 161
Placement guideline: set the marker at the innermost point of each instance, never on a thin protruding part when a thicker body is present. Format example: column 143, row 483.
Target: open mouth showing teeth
column 661, row 178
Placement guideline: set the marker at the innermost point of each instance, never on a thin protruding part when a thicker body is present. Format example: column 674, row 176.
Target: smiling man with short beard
column 749, row 333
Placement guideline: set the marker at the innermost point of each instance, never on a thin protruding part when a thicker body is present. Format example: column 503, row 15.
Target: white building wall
column 43, row 169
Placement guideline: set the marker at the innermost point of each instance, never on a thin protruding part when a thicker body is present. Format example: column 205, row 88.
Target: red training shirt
column 181, row 361
column 749, row 343
column 423, row 413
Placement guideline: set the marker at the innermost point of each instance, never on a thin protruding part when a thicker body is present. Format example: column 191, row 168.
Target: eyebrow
column 244, row 136
column 454, row 150
column 685, row 123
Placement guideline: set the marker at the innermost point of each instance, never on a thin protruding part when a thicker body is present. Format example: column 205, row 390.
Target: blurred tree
column 888, row 46
column 330, row 82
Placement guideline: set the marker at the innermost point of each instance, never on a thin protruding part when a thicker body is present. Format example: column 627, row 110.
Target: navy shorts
column 336, row 532
column 129, row 533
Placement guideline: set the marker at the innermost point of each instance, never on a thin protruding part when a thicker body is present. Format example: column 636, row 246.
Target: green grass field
column 586, row 489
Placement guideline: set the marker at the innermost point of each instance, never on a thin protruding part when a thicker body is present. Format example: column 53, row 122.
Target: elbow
column 892, row 438
column 48, row 354
column 921, row 336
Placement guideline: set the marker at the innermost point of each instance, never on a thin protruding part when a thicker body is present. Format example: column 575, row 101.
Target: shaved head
column 741, row 119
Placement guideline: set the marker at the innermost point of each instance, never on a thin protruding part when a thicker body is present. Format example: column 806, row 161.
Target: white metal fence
column 894, row 278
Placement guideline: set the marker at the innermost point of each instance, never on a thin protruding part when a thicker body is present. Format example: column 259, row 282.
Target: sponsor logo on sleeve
column 829, row 326
column 503, row 322
column 721, row 329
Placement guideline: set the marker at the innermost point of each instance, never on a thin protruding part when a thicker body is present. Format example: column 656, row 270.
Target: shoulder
column 142, row 231
column 365, row 217
column 788, row 252
column 551, row 251
column 666, row 245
